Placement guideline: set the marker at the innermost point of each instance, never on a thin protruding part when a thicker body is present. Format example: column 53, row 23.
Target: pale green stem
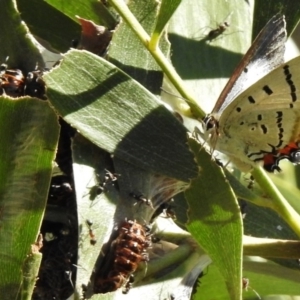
column 280, row 204
column 274, row 248
column 153, row 44
column 157, row 54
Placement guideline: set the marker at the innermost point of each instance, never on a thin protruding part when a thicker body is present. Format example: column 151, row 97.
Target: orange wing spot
column 287, row 150
column 290, row 152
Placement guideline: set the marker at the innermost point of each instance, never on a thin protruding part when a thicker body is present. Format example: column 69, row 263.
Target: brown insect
column 129, row 250
column 220, row 29
column 214, row 33
column 245, row 285
column 12, row 81
column 92, row 235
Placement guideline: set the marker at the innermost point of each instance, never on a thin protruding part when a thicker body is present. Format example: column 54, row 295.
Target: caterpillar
column 129, row 250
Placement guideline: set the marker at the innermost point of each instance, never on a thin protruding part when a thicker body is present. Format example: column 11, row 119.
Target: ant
column 167, row 209
column 109, row 178
column 92, row 235
column 142, row 199
column 128, row 284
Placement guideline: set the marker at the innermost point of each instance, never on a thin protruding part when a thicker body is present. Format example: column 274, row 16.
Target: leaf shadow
column 187, row 58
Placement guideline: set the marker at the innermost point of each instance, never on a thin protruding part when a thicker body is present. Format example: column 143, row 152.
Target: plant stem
column 157, row 54
column 280, row 204
column 287, row 249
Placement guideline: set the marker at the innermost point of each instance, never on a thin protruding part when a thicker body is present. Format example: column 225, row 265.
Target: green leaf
column 48, row 24
column 167, row 9
column 30, row 270
column 16, row 42
column 115, row 204
column 271, row 280
column 89, row 167
column 265, row 278
column 29, row 134
column 92, row 10
column 127, row 52
column 246, row 193
column 215, row 220
column 119, row 115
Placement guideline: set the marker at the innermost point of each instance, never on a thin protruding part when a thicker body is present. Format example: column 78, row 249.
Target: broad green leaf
column 16, row 42
column 115, row 204
column 119, row 115
column 128, row 53
column 263, row 222
column 89, row 167
column 167, row 9
column 48, row 24
column 215, row 220
column 246, row 192
column 29, row 134
column 92, row 10
column 265, row 278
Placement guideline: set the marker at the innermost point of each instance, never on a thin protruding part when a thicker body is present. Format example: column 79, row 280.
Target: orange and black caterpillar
column 129, row 249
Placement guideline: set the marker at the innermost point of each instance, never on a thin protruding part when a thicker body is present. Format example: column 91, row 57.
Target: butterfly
column 258, row 112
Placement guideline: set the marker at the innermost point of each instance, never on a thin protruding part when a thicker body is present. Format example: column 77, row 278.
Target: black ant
column 128, row 284
column 142, row 199
column 109, row 178
column 165, row 208
column 251, row 183
column 168, row 209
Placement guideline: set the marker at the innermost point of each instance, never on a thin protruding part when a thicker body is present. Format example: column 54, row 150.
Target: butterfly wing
column 264, row 118
column 265, row 54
